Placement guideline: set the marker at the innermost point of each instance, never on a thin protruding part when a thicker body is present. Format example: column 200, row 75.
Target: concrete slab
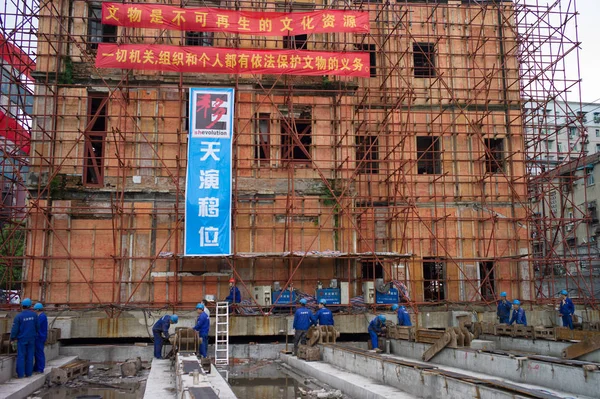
column 109, row 353
column 21, row 388
column 349, row 383
column 7, row 362
column 161, row 381
column 480, row 344
column 185, row 381
column 219, row 384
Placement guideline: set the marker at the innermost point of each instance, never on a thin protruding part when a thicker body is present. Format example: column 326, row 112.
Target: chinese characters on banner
column 208, row 180
column 231, row 61
column 231, row 21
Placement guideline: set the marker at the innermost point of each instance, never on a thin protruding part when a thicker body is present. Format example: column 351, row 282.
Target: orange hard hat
column 232, row 280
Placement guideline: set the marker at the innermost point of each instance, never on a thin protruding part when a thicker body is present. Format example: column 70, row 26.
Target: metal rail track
column 495, row 384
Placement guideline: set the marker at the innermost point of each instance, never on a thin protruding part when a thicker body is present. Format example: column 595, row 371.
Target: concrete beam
column 161, row 381
column 7, row 362
column 574, row 380
column 354, row 385
column 109, row 353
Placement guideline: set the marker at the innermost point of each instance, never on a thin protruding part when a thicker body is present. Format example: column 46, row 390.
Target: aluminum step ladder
column 222, row 334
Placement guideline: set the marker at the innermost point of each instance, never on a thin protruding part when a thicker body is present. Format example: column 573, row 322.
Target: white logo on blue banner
column 208, row 179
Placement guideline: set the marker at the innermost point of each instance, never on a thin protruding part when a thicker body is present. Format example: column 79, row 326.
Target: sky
column 588, row 28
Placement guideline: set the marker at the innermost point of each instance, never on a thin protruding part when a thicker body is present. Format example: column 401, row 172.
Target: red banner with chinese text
column 231, row 61
column 136, row 15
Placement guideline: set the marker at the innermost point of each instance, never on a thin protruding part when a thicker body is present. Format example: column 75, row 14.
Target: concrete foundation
column 109, row 353
column 574, row 380
column 7, row 362
column 213, row 382
column 540, row 346
column 21, row 388
column 161, row 381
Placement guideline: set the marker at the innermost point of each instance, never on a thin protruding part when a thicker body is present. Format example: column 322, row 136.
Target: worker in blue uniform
column 24, row 331
column 323, row 317
column 160, row 330
column 202, row 326
column 518, row 315
column 40, row 340
column 376, row 327
column 566, row 309
column 503, row 311
column 234, row 293
column 302, row 322
column 403, row 316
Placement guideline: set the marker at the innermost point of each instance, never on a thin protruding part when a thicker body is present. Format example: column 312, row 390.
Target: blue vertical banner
column 209, row 175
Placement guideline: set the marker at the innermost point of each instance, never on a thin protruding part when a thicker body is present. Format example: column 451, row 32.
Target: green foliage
column 66, row 76
column 12, row 245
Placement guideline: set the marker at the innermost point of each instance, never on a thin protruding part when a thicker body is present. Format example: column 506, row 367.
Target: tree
column 12, row 248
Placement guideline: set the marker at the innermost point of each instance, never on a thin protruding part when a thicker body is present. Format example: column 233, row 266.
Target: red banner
column 136, row 15
column 231, row 61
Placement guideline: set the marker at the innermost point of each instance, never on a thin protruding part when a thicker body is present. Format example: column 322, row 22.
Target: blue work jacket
column 202, row 324
column 376, row 325
column 162, row 325
column 519, row 317
column 503, row 309
column 42, row 323
column 24, row 326
column 234, row 295
column 404, row 318
column 566, row 307
column 302, row 318
column 324, row 317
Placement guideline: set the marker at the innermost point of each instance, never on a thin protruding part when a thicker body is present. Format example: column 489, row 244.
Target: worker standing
column 403, row 316
column 24, row 331
column 302, row 321
column 323, row 317
column 202, row 326
column 566, row 309
column 376, row 327
column 40, row 340
column 206, row 310
column 160, row 330
column 504, row 307
column 234, row 293
column 518, row 315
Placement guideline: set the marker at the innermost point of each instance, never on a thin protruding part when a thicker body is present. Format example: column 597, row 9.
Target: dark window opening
column 298, row 42
column 202, row 39
column 571, row 242
column 371, row 270
column 262, row 149
column 487, row 281
column 93, row 171
column 372, row 56
column 296, row 138
column 434, row 279
column 428, row 155
column 593, row 212
column 494, row 155
column 97, row 31
column 367, row 154
column 424, row 60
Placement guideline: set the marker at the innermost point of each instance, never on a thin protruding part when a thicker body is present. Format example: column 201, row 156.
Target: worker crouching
column 376, row 328
column 160, row 330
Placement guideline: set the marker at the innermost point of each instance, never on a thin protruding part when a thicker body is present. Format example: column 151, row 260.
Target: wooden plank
column 566, row 334
column 586, row 346
column 440, row 344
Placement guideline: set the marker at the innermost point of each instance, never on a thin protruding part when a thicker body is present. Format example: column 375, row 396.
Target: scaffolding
column 426, row 174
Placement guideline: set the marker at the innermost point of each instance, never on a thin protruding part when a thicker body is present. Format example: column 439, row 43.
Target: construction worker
column 403, row 316
column 376, row 327
column 202, row 326
column 566, row 309
column 323, row 317
column 504, row 307
column 40, row 340
column 518, row 314
column 24, row 331
column 302, row 321
column 206, row 310
column 234, row 293
column 160, row 330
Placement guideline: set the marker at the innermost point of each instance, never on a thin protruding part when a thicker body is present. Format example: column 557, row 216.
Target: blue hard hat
column 174, row 319
column 303, row 301
column 503, row 294
column 200, row 306
column 394, row 307
column 38, row 306
column 516, row 302
column 381, row 317
column 564, row 292
column 26, row 303
column 323, row 301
